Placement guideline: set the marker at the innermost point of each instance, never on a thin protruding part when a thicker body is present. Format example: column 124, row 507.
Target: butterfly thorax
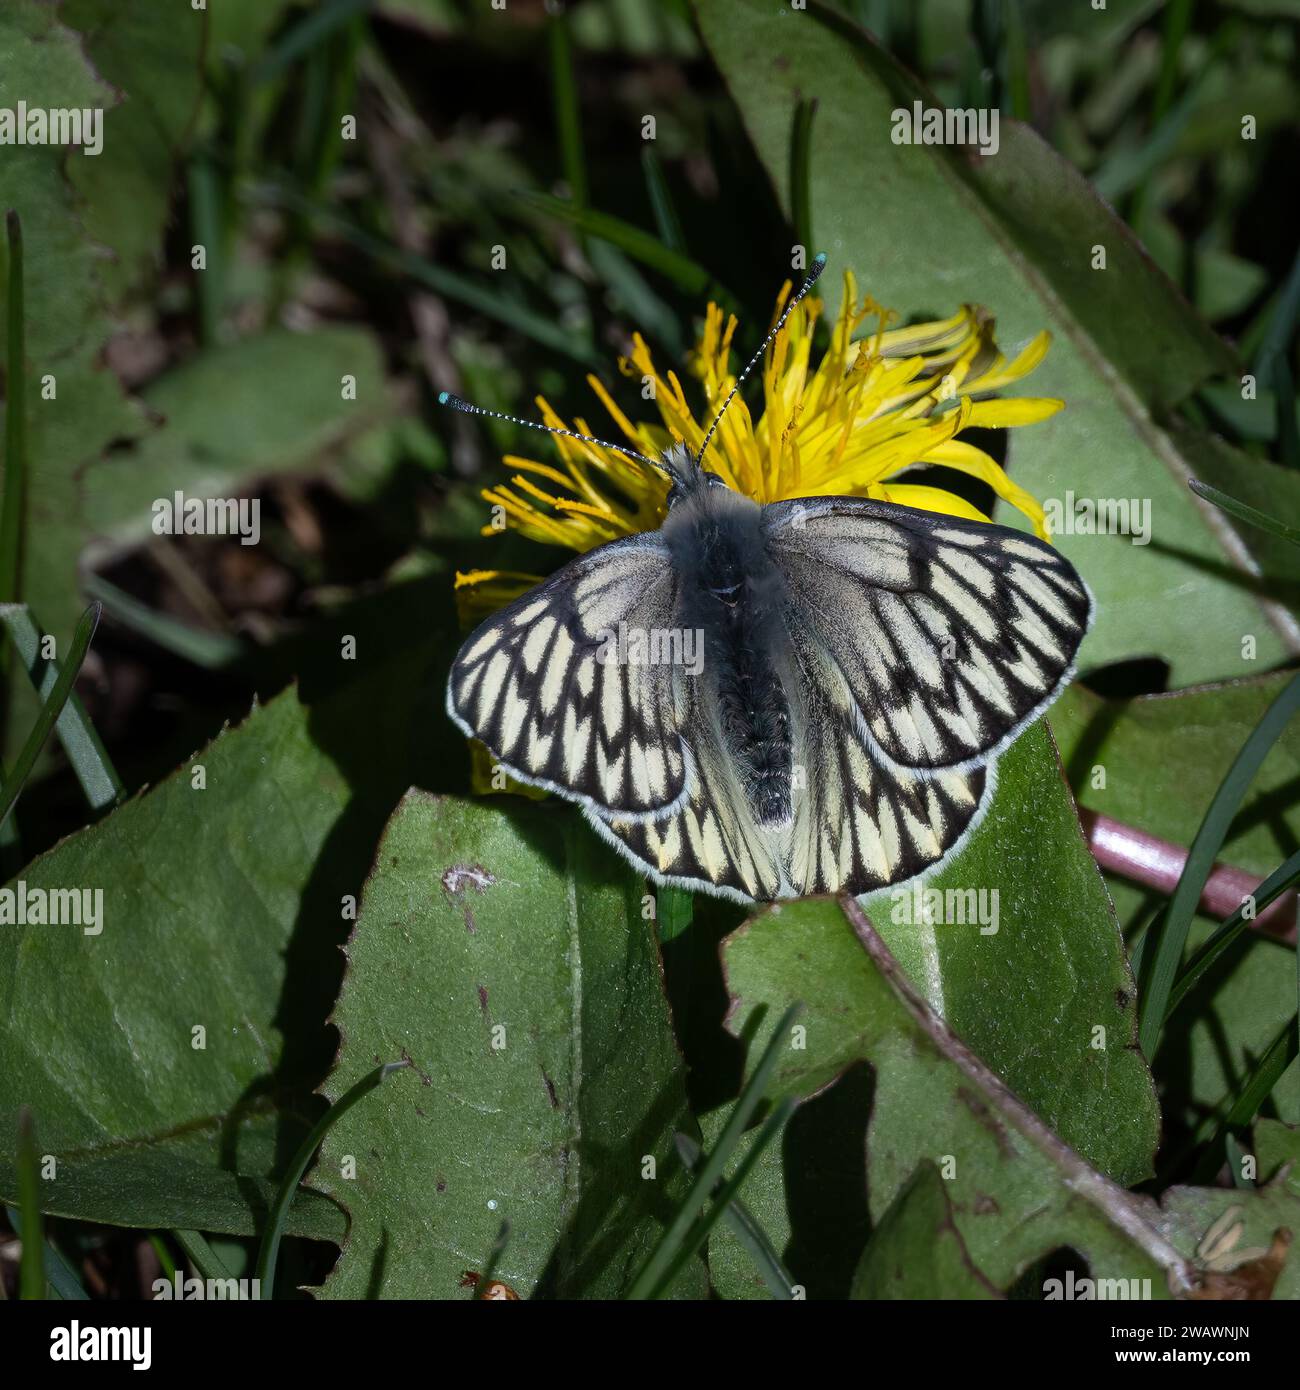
column 733, row 595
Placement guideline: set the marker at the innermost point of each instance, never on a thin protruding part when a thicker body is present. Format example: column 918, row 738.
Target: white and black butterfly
column 837, row 679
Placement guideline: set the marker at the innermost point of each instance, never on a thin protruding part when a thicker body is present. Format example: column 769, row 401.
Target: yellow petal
column 931, row 499
column 966, row 458
column 1021, row 410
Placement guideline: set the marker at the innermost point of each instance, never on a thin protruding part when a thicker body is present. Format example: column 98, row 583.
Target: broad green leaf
column 1017, row 1191
column 1277, row 1151
column 504, row 953
column 1036, row 996
column 221, row 910
column 125, row 193
column 928, row 227
column 1028, row 998
column 1155, row 763
column 1261, row 484
column 917, row 1250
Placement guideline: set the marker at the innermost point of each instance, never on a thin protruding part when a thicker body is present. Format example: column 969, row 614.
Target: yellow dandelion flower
column 881, row 401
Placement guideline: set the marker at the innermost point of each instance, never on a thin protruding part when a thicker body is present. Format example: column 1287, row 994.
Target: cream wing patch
column 949, row 635
column 547, row 687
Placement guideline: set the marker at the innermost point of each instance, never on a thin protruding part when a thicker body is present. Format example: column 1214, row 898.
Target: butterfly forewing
column 940, row 638
column 541, row 683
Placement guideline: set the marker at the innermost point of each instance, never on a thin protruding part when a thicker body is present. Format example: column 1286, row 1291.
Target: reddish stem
column 1133, row 854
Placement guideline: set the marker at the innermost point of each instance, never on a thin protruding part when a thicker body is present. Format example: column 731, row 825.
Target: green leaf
column 1277, row 1152
column 504, row 952
column 13, row 509
column 1026, row 997
column 125, row 192
column 1027, row 988
column 926, row 228
column 216, row 913
column 1017, row 1192
column 917, row 1250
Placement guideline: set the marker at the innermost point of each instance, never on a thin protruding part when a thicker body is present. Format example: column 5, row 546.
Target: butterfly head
column 688, row 478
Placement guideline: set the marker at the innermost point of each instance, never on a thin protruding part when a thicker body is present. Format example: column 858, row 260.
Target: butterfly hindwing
column 941, row 638
column 857, row 826
column 531, row 684
column 861, row 825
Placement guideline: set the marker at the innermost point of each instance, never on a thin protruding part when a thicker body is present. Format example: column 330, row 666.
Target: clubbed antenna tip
column 818, row 265
column 446, row 398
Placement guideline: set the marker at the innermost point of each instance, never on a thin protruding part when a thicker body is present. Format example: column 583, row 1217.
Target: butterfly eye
column 713, row 479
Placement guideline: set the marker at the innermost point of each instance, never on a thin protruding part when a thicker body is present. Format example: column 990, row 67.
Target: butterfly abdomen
column 733, row 594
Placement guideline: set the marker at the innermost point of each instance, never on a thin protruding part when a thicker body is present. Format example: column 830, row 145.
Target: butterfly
column 769, row 701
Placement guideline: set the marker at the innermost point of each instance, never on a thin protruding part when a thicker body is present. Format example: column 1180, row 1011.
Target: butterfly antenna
column 455, row 402
column 814, row 270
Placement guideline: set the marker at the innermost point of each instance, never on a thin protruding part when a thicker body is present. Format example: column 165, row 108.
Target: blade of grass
column 1214, row 946
column 1130, row 167
column 447, row 283
column 1277, row 323
column 269, row 1252
column 1016, row 95
column 313, row 29
column 688, row 275
column 747, row 1230
column 50, row 711
column 1172, row 938
column 207, row 230
column 568, row 115
column 801, row 172
column 494, row 1258
column 631, row 292
column 1288, row 435
column 60, row 1277
column 649, row 1278
column 1267, row 1072
column 99, row 780
column 1244, row 512
column 724, row 1196
column 210, row 650
column 667, row 223
column 31, row 1273
column 201, row 1255
column 1236, row 1168
column 159, row 1246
